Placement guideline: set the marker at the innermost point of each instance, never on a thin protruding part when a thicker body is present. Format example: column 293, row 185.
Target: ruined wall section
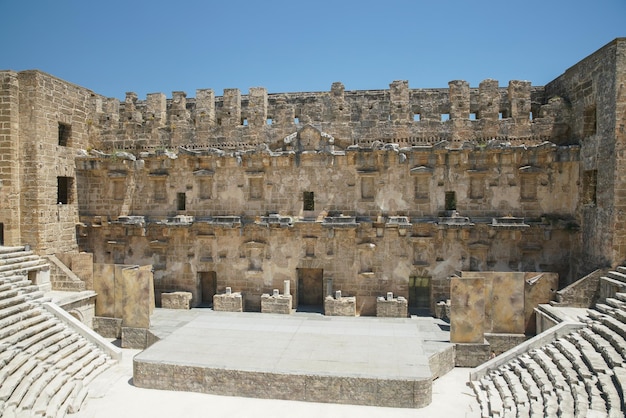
column 10, row 210
column 459, row 114
column 593, row 89
column 55, row 122
column 526, row 182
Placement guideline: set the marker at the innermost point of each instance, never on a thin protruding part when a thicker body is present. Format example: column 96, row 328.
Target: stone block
column 108, row 327
column 176, row 300
column 342, row 306
column 278, row 304
column 392, row 307
column 467, row 310
column 134, row 337
column 228, row 302
column 472, row 355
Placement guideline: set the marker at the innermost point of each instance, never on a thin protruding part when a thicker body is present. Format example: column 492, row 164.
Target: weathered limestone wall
column 10, row 179
column 597, row 103
column 367, row 251
column 176, row 300
column 41, row 158
column 400, row 114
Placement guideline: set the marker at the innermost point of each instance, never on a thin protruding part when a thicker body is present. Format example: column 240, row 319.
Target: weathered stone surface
column 467, row 310
column 392, row 308
column 108, row 327
column 342, row 306
column 228, row 302
column 134, row 337
column 175, row 300
column 472, row 354
column 279, row 304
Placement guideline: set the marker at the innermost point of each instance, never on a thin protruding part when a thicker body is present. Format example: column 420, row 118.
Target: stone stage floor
column 303, row 356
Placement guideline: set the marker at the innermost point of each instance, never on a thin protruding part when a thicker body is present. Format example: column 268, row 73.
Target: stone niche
column 340, row 305
column 176, row 300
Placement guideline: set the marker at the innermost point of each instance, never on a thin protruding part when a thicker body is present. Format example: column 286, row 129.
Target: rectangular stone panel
column 467, row 309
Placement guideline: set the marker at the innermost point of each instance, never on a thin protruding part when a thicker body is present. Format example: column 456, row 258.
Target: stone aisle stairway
column 582, row 374
column 45, row 366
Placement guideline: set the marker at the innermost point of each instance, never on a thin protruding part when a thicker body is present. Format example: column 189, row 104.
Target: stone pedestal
column 340, row 306
column 228, row 302
column 472, row 355
column 176, row 300
column 108, row 327
column 134, row 337
column 392, row 307
column 276, row 303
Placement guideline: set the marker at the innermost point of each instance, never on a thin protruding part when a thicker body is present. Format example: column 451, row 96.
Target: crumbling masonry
column 366, row 192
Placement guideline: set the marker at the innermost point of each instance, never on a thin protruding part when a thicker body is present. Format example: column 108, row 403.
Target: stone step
column 617, row 275
column 10, row 279
column 22, row 388
column 615, row 303
column 616, row 325
column 11, row 249
column 493, row 396
column 617, row 341
column 35, row 342
column 15, row 300
column 548, row 391
column 53, row 367
column 14, row 258
column 517, row 388
column 10, row 333
column 611, row 356
column 604, row 308
column 594, row 359
column 67, row 340
column 54, row 405
column 508, row 401
column 481, row 397
column 619, row 379
column 24, row 266
column 560, row 384
column 621, row 296
column 16, row 313
column 535, row 396
column 13, row 380
column 577, row 389
column 78, row 400
column 612, row 396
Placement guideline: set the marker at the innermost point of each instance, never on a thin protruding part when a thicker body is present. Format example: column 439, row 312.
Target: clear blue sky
column 115, row 46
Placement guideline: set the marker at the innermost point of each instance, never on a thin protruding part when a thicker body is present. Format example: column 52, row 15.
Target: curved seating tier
column 45, row 366
column 578, row 375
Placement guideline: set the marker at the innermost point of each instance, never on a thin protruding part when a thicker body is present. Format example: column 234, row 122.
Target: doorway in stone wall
column 1, row 233
column 208, row 287
column 310, row 290
column 419, row 295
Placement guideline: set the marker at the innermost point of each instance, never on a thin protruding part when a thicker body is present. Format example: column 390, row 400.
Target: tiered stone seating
column 582, row 374
column 44, row 365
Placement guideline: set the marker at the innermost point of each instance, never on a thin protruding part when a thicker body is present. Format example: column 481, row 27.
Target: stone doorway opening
column 310, row 290
column 208, row 287
column 419, row 295
column 1, row 233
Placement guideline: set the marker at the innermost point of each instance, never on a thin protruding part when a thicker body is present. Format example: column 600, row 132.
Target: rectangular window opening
column 65, row 132
column 296, row 120
column 445, row 117
column 308, row 200
column 244, row 122
column 417, row 117
column 473, row 116
column 450, row 201
column 181, row 201
column 64, row 190
column 269, row 121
